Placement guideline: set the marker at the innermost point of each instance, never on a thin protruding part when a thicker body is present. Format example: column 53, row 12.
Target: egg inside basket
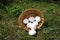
column 30, row 13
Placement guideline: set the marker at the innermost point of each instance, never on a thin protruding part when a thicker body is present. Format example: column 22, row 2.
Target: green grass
column 10, row 30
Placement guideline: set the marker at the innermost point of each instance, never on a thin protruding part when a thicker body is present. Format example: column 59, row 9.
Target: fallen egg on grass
column 32, row 32
column 37, row 18
column 25, row 21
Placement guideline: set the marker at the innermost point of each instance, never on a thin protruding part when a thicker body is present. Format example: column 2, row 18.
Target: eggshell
column 28, row 25
column 32, row 32
column 32, row 26
column 31, row 19
column 25, row 21
column 35, row 23
column 37, row 18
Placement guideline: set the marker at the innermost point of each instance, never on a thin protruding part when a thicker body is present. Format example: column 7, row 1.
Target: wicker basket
column 28, row 13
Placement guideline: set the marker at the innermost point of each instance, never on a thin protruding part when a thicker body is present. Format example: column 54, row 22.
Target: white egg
column 32, row 32
column 28, row 25
column 25, row 21
column 31, row 19
column 32, row 26
column 37, row 18
column 35, row 23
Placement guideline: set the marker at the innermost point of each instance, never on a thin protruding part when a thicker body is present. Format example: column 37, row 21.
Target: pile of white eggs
column 32, row 22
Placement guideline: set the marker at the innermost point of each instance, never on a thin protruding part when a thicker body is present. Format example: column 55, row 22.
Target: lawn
column 9, row 13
